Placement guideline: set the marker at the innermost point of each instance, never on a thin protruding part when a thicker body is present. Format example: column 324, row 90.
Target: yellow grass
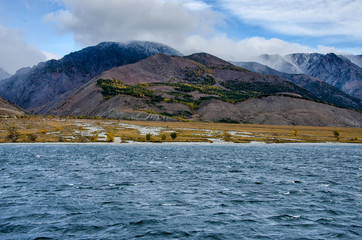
column 55, row 129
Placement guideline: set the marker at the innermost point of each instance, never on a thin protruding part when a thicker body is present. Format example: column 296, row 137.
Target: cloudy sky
column 36, row 30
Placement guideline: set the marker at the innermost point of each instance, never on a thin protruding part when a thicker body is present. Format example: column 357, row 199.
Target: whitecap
column 168, row 204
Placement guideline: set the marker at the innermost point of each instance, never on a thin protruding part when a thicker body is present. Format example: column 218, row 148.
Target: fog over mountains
column 3, row 74
column 342, row 72
column 140, row 80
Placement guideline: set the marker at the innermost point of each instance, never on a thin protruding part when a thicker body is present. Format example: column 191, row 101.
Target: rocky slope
column 280, row 110
column 7, row 109
column 200, row 87
column 38, row 88
column 335, row 70
column 324, row 91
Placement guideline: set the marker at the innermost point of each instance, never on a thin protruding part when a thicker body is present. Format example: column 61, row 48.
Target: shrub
column 226, row 136
column 24, row 138
column 31, row 137
column 336, row 134
column 110, row 136
column 94, row 138
column 173, row 135
column 43, row 131
column 148, row 136
column 356, row 138
column 294, row 133
column 82, row 138
column 58, row 129
column 13, row 135
column 163, row 137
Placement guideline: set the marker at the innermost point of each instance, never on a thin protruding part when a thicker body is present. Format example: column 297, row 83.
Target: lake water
column 157, row 191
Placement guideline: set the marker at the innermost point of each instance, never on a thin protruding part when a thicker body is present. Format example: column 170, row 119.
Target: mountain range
column 36, row 89
column 151, row 81
column 200, row 87
column 342, row 72
column 324, row 91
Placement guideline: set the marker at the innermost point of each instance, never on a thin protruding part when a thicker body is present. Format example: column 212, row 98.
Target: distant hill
column 280, row 110
column 7, row 109
column 3, row 74
column 36, row 89
column 200, row 87
column 341, row 72
column 324, row 91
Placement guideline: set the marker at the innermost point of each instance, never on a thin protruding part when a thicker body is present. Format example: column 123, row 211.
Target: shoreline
column 177, row 143
column 49, row 130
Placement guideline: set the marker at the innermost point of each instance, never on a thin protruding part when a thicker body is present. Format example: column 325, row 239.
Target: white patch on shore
column 144, row 130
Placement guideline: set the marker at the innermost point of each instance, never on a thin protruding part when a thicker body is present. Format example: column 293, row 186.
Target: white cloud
column 50, row 56
column 187, row 25
column 300, row 17
column 196, row 5
column 93, row 21
column 246, row 49
column 15, row 53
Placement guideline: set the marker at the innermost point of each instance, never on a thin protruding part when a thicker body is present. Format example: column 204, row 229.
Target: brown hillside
column 7, row 109
column 163, row 95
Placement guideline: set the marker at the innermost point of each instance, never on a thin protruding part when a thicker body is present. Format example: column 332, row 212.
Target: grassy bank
column 55, row 129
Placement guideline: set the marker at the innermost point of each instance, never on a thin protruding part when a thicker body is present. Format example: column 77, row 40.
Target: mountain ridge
column 38, row 88
column 199, row 87
column 338, row 71
column 321, row 89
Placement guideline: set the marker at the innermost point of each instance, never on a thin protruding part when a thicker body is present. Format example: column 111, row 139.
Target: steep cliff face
column 38, row 88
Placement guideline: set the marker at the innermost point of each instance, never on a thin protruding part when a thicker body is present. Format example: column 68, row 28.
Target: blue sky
column 36, row 30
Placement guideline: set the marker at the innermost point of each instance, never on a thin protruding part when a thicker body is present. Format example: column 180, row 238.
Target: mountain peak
column 208, row 60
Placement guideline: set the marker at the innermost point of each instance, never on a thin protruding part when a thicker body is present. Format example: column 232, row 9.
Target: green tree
column 173, row 135
column 148, row 136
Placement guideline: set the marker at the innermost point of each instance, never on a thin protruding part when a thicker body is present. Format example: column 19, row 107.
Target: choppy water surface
column 181, row 191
